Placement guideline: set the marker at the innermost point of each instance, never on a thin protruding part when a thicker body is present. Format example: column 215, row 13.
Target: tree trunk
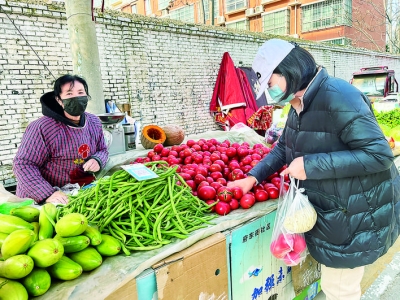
column 84, row 50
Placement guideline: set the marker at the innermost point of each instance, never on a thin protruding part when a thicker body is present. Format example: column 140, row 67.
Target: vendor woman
column 64, row 146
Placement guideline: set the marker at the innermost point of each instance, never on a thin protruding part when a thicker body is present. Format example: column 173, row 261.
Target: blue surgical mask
column 276, row 94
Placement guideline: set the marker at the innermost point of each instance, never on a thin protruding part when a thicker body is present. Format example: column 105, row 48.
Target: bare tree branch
column 368, row 18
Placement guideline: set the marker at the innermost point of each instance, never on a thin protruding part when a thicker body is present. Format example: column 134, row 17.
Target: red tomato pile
column 208, row 165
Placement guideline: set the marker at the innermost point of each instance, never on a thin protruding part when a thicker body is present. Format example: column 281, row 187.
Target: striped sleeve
column 31, row 154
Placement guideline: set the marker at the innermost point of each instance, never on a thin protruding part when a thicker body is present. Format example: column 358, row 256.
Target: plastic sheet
column 6, row 196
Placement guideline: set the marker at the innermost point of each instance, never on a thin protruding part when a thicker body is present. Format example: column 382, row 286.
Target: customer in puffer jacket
column 333, row 145
column 64, row 146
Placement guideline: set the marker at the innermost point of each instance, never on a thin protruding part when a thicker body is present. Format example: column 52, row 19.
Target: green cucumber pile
column 142, row 215
column 36, row 248
column 117, row 214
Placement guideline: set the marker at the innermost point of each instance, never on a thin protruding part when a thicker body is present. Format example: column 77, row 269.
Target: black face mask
column 75, row 106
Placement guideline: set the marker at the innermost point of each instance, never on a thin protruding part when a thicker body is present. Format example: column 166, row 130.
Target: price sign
column 139, row 171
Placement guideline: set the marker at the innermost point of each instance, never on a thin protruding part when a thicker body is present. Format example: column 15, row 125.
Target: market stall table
column 118, row 271
column 114, row 278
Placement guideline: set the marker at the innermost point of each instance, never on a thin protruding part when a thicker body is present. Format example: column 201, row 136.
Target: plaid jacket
column 52, row 150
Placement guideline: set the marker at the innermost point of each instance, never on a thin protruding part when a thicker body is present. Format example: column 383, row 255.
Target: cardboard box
column 254, row 272
column 146, row 284
column 126, row 292
column 198, row 272
column 304, row 274
column 143, row 287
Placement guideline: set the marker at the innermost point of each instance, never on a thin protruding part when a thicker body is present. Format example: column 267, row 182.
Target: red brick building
column 360, row 23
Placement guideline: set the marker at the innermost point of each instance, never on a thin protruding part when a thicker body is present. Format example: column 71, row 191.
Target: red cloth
column 227, row 102
column 227, row 93
column 80, row 177
column 233, row 98
column 262, row 118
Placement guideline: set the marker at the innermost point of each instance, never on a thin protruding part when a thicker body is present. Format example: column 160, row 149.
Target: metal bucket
column 130, row 134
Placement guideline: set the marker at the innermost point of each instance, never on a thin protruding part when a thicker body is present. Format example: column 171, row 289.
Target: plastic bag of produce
column 6, row 207
column 272, row 134
column 301, row 215
column 8, row 201
column 287, row 246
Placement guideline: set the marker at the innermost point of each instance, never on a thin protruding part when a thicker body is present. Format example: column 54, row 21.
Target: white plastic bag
column 6, row 196
column 287, row 246
column 69, row 189
column 240, row 127
column 301, row 215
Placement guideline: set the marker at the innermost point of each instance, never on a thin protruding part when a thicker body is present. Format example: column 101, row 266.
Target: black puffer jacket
column 351, row 178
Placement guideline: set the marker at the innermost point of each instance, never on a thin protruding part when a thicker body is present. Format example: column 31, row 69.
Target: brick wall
column 164, row 68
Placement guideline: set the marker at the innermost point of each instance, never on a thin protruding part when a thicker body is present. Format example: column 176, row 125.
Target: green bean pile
column 143, row 215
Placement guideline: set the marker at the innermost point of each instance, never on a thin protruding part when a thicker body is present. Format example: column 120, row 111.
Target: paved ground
column 381, row 280
column 387, row 285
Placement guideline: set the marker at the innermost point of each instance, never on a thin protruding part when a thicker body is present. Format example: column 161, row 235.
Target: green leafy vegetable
column 389, row 118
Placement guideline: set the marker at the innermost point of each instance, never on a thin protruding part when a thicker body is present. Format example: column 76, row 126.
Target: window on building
column 325, row 14
column 232, row 5
column 162, row 4
column 277, row 22
column 98, row 3
column 134, row 8
column 341, row 41
column 147, row 5
column 240, row 25
column 184, row 14
column 206, row 4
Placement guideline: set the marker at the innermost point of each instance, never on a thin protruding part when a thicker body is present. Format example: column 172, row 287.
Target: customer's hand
column 57, row 197
column 91, row 166
column 296, row 169
column 246, row 184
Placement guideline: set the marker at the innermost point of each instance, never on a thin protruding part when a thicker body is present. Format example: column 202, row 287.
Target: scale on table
column 113, row 132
